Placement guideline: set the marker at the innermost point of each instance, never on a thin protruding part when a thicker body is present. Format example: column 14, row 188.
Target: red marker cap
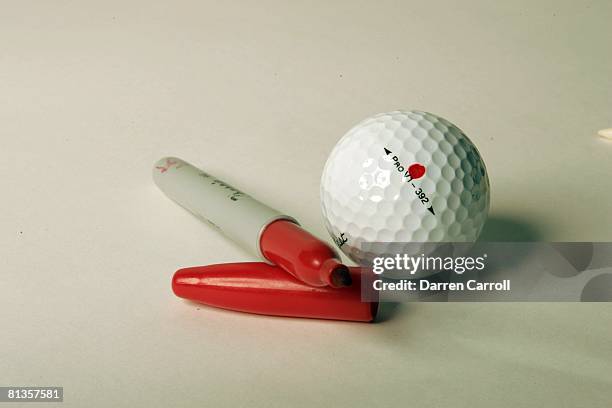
column 256, row 287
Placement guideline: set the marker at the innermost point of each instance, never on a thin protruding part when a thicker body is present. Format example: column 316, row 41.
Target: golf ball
column 403, row 176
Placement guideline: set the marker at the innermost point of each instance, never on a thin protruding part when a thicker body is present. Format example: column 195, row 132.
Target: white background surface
column 257, row 93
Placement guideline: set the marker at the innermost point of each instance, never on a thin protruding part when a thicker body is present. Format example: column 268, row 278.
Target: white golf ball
column 403, row 176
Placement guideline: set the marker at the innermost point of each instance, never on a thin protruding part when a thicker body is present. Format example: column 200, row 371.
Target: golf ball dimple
column 403, row 176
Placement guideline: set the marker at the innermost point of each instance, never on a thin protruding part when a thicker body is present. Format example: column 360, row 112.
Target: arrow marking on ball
column 415, row 171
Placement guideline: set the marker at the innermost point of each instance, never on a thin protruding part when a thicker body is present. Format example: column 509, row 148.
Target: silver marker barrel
column 234, row 213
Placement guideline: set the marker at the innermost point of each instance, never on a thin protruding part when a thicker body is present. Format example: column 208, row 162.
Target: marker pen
column 274, row 236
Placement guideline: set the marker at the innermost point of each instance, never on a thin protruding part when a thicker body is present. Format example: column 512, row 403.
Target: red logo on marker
column 169, row 163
